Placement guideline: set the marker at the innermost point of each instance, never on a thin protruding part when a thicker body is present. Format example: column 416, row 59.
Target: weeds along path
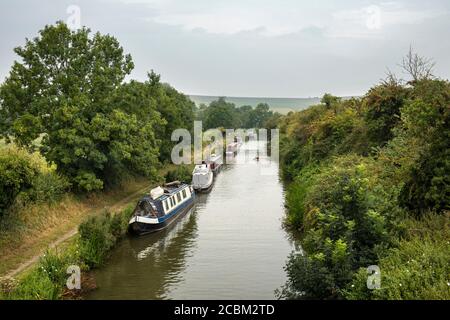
column 68, row 235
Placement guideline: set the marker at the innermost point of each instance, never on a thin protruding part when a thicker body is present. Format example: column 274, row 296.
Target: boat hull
column 141, row 228
column 204, row 189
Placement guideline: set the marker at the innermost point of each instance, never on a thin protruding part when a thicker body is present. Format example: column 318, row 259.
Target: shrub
column 417, row 268
column 47, row 187
column 54, row 265
column 383, row 104
column 99, row 234
column 96, row 239
column 344, row 228
column 16, row 174
column 296, row 194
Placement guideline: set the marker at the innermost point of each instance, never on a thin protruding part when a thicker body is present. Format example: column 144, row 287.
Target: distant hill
column 282, row 105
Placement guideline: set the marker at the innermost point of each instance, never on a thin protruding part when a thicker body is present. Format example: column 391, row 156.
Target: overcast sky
column 251, row 48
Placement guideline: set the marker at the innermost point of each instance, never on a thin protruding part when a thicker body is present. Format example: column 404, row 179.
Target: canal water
column 231, row 245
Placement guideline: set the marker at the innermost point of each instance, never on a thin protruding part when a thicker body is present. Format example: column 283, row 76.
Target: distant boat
column 215, row 162
column 232, row 149
column 202, row 178
column 251, row 134
column 238, row 140
column 161, row 207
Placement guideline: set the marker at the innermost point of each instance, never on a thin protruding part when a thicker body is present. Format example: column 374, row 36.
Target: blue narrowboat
column 161, row 207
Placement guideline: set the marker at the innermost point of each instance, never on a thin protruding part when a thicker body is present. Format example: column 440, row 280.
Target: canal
column 231, row 245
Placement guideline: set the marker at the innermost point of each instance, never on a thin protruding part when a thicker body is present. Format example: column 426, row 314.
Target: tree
column 65, row 88
column 383, row 104
column 220, row 114
column 330, row 101
column 418, row 67
column 259, row 115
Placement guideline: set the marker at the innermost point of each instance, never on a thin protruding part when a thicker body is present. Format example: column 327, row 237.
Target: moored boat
column 232, row 149
column 215, row 162
column 161, row 207
column 202, row 178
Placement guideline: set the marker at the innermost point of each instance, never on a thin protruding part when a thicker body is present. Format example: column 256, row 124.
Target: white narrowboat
column 202, row 178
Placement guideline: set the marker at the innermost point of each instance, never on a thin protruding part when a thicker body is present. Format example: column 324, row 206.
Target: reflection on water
column 231, row 245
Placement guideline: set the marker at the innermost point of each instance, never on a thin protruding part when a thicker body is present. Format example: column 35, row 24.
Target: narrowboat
column 232, row 149
column 215, row 162
column 202, row 177
column 238, row 140
column 161, row 207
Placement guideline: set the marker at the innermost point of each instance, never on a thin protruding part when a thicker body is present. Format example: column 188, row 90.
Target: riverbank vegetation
column 223, row 114
column 47, row 280
column 76, row 137
column 369, row 185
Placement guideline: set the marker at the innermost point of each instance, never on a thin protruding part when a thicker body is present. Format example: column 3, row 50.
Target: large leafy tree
column 63, row 89
column 220, row 114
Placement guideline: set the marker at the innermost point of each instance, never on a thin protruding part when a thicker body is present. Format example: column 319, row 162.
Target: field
column 282, row 105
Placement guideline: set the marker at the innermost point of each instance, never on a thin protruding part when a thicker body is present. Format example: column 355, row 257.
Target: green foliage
column 297, row 193
column 160, row 105
column 34, row 286
column 53, row 265
column 343, row 227
column 383, row 104
column 427, row 118
column 351, row 209
column 96, row 239
column 330, row 101
column 219, row 114
column 47, row 187
column 180, row 173
column 47, row 281
column 223, row 114
column 68, row 88
column 17, row 172
column 99, row 234
column 416, row 269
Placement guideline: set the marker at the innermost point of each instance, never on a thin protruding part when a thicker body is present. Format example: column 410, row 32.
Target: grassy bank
column 88, row 250
column 100, row 221
column 29, row 230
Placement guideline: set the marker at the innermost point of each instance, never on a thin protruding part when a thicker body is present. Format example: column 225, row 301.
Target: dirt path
column 68, row 235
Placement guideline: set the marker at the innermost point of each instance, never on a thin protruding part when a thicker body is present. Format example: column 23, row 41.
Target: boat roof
column 201, row 168
column 215, row 157
column 168, row 191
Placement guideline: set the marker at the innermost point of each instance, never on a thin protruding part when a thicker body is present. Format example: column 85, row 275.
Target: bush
column 53, row 264
column 417, row 268
column 96, row 239
column 99, row 234
column 344, row 228
column 296, row 194
column 17, row 171
column 383, row 104
column 47, row 187
column 181, row 173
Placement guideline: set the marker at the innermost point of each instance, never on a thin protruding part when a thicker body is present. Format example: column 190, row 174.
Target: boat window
column 172, row 201
column 184, row 193
column 144, row 206
column 179, row 197
column 166, row 207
